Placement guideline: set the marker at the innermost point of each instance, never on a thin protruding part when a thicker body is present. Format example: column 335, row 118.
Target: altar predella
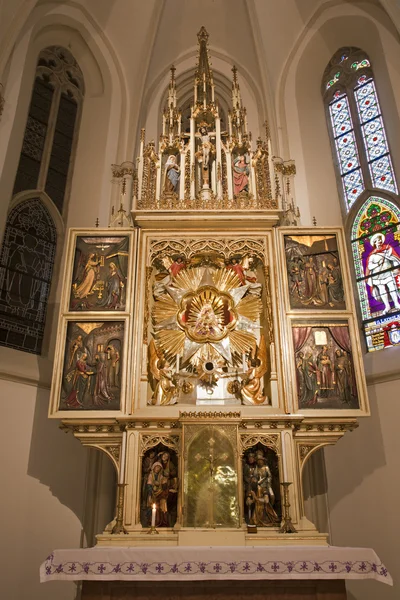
column 207, row 342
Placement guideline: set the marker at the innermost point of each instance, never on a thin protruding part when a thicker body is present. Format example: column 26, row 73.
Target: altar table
column 223, row 563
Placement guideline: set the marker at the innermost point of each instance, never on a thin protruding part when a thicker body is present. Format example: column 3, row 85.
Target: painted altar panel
column 90, row 372
column 326, row 367
column 314, row 271
column 99, row 273
column 325, row 375
column 93, row 365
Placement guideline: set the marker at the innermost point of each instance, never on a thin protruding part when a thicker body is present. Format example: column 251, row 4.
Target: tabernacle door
column 210, row 480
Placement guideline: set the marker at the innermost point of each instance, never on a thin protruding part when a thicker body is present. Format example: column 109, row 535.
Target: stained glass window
column 374, row 136
column 346, row 148
column 47, row 149
column 26, row 266
column 376, row 253
column 356, row 125
column 45, row 165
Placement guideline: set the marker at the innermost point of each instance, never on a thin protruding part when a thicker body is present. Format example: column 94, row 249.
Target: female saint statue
column 240, row 175
column 172, row 175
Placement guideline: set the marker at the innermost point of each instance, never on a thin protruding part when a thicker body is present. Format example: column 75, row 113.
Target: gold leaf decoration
column 88, row 327
column 226, row 279
column 164, row 309
column 242, row 342
column 250, row 307
column 171, row 342
column 189, row 279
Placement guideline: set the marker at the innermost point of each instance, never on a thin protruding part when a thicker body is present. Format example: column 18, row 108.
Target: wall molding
column 383, row 377
column 16, row 378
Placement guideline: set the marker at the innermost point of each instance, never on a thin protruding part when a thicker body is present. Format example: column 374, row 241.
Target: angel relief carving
column 164, row 383
column 208, row 343
column 252, row 385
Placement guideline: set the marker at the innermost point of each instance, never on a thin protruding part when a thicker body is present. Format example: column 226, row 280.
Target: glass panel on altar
column 210, row 483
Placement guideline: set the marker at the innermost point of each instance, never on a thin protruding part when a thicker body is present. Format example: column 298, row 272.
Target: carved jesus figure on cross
column 206, row 145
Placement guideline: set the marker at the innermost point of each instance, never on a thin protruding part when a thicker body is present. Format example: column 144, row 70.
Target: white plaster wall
column 364, row 486
column 41, row 500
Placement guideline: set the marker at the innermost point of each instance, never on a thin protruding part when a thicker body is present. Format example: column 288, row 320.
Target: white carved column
column 140, row 163
column 219, row 157
column 229, row 174
column 192, row 159
column 182, row 179
column 158, row 180
column 133, row 481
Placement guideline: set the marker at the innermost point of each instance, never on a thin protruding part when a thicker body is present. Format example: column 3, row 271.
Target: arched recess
column 154, row 99
column 102, row 134
column 301, row 112
column 314, row 488
column 103, row 137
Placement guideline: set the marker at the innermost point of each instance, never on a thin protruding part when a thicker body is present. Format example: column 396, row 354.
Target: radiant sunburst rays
column 205, row 315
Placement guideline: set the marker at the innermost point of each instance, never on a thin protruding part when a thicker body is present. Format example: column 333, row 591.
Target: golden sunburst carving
column 207, row 315
column 204, row 312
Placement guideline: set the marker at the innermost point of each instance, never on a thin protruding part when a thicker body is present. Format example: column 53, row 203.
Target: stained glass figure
column 26, row 267
column 376, row 254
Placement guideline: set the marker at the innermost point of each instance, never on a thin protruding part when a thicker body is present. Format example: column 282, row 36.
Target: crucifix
column 203, row 155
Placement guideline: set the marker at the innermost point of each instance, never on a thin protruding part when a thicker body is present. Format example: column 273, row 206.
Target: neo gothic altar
column 207, row 343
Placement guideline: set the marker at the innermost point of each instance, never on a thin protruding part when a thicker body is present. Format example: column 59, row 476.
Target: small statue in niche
column 172, row 175
column 240, row 175
column 252, row 386
column 159, row 488
column 259, row 495
column 165, row 385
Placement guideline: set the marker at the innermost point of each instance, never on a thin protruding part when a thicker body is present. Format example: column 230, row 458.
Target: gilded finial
column 202, row 36
column 234, row 71
column 267, row 131
column 173, row 69
column 314, row 221
column 97, row 222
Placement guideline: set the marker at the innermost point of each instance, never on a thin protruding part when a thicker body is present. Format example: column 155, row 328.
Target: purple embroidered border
column 332, row 567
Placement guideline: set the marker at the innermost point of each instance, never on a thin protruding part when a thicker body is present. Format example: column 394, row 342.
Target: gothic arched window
column 47, row 153
column 26, row 266
column 44, row 171
column 356, row 127
column 375, row 242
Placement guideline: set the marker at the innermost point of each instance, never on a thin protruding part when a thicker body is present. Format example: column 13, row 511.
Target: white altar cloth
column 184, row 563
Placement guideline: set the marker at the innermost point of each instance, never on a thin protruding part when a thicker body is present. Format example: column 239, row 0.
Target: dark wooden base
column 215, row 590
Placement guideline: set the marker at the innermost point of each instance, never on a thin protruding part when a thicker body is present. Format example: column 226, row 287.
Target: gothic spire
column 204, row 81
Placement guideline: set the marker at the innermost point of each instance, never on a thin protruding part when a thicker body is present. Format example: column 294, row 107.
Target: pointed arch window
column 47, row 154
column 375, row 242
column 45, row 165
column 359, row 143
